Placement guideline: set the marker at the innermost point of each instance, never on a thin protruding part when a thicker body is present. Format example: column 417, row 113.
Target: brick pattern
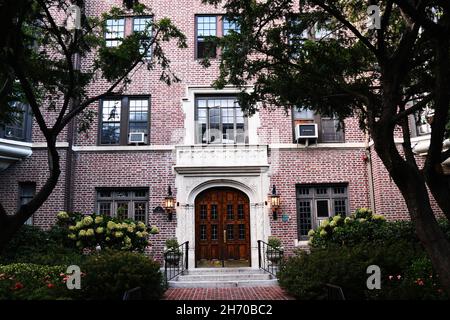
column 305, row 166
column 239, row 293
column 33, row 169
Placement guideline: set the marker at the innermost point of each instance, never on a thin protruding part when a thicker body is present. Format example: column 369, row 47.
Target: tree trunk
column 412, row 186
column 10, row 224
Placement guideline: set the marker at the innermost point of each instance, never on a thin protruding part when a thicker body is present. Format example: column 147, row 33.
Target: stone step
column 224, row 277
column 224, row 270
column 223, row 284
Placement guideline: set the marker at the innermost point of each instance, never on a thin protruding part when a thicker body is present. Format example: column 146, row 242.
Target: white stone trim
column 294, row 146
column 255, row 186
column 130, row 148
column 43, row 145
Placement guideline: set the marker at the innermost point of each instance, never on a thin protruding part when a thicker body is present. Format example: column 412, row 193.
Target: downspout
column 68, row 199
column 370, row 171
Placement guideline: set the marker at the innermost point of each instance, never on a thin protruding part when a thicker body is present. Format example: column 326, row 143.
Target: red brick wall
column 315, row 166
column 33, row 169
column 126, row 169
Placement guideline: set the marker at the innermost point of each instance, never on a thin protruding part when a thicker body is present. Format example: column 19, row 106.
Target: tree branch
column 335, row 13
column 413, row 109
column 31, row 98
column 75, row 111
column 418, row 17
column 68, row 55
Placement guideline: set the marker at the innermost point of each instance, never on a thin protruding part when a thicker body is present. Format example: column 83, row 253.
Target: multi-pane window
column 138, row 122
column 115, row 32
column 123, row 204
column 242, row 232
column 111, row 114
column 316, row 203
column 230, row 231
column 330, row 129
column 26, row 194
column 20, row 127
column 214, row 232
column 206, row 27
column 203, row 235
column 203, row 212
column 230, row 215
column 211, row 26
column 240, row 211
column 120, row 118
column 143, row 25
column 220, row 120
column 230, row 26
column 214, row 211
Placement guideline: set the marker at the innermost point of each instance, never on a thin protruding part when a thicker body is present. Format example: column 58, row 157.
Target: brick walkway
column 240, row 293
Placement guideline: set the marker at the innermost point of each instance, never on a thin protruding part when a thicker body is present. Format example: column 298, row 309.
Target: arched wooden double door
column 222, row 228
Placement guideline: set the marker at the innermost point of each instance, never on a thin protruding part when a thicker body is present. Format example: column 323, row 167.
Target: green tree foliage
column 40, row 65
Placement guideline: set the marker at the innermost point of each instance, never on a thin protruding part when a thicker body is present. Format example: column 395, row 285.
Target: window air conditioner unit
column 306, row 131
column 136, row 137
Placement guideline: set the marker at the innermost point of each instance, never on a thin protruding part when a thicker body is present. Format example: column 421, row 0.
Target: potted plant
column 274, row 250
column 172, row 254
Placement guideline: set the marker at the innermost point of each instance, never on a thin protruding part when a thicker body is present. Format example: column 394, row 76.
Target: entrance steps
column 223, row 278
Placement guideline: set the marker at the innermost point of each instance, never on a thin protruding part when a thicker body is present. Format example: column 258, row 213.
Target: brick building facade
column 102, row 172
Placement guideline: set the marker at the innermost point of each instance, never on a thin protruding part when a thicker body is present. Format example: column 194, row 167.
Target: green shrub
column 26, row 281
column 274, row 242
column 34, row 245
column 109, row 274
column 364, row 227
column 90, row 231
column 343, row 248
column 306, row 274
column 172, row 245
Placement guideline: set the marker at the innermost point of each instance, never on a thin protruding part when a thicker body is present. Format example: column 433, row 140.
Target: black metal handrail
column 269, row 257
column 334, row 292
column 176, row 261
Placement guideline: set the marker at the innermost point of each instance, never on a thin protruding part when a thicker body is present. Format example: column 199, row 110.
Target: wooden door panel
column 222, row 228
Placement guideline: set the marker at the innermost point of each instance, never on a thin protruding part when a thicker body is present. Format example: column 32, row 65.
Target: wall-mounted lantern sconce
column 274, row 202
column 169, row 203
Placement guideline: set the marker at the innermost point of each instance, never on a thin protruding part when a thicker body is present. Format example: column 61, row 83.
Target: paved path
column 239, row 293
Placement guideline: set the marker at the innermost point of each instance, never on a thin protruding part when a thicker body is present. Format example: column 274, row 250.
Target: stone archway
column 188, row 188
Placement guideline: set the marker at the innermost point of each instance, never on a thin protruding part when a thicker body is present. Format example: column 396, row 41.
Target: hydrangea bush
column 91, row 231
column 363, row 225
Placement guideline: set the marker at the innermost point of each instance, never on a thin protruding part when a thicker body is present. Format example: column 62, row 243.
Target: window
column 115, row 32
column 211, row 26
column 122, row 117
column 117, row 29
column 111, row 114
column 230, row 26
column 27, row 192
column 220, row 120
column 206, row 27
column 143, row 25
column 316, row 203
column 123, row 204
column 20, row 129
column 330, row 129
